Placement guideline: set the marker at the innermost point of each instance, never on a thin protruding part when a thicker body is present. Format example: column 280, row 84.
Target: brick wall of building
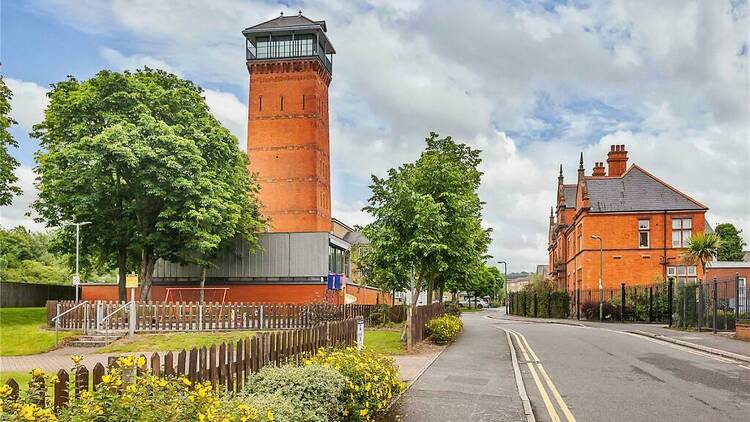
column 288, row 145
column 624, row 261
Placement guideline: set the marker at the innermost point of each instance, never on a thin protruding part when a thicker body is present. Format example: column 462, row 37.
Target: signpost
column 131, row 282
column 360, row 333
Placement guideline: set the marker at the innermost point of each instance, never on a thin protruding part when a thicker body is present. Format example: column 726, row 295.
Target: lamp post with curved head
column 505, row 282
column 601, row 264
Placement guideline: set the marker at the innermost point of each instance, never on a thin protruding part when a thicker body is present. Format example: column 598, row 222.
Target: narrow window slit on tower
column 303, row 101
column 282, row 103
column 260, row 103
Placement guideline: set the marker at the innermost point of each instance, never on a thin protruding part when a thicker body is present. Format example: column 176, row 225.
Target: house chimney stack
column 617, row 160
column 598, row 169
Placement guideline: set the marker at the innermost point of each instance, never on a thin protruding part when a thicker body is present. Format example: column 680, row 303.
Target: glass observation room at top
column 289, row 37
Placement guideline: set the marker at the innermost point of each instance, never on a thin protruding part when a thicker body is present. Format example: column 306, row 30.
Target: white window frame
column 683, row 228
column 644, row 227
column 683, row 273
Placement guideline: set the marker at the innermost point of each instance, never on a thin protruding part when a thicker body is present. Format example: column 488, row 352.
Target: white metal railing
column 57, row 317
column 131, row 322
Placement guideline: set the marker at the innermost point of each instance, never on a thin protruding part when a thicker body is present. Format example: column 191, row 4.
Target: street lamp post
column 505, row 282
column 77, row 278
column 601, row 264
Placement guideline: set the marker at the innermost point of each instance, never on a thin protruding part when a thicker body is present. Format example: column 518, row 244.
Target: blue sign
column 334, row 281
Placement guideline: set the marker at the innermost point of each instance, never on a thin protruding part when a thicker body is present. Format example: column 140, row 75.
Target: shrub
column 261, row 407
column 371, row 380
column 444, row 329
column 310, row 387
column 452, row 308
column 380, row 316
column 610, row 311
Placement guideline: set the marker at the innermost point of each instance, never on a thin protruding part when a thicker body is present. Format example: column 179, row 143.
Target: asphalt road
column 604, row 375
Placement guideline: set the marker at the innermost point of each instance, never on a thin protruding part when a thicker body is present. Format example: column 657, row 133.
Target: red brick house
column 643, row 223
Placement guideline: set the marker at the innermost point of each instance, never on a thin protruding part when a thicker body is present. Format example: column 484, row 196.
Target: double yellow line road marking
column 534, row 364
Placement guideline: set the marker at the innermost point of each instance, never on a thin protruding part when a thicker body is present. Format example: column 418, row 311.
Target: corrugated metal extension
column 281, row 255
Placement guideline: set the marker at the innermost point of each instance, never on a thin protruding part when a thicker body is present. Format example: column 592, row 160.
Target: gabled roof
column 636, row 190
column 570, row 195
column 283, row 22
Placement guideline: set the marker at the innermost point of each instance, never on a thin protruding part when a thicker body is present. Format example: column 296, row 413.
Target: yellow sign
column 131, row 281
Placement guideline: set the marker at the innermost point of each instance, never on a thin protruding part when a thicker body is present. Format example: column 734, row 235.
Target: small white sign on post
column 360, row 333
column 76, row 279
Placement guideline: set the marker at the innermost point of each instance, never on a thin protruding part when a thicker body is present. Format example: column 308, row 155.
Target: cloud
column 529, row 85
column 15, row 214
column 231, row 112
column 28, row 102
column 122, row 62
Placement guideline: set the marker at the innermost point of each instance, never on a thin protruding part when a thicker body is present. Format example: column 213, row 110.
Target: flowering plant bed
column 444, row 329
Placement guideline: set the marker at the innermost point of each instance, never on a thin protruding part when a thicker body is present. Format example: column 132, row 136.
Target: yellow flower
column 186, row 381
column 270, row 415
column 162, row 383
column 5, row 390
column 36, row 372
column 106, row 378
column 141, row 361
column 363, row 412
column 76, row 359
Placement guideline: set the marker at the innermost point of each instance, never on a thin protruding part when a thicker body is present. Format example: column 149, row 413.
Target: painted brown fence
column 193, row 316
column 420, row 317
column 226, row 366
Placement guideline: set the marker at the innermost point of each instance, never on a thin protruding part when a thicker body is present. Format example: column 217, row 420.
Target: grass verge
column 22, row 332
column 472, row 309
column 385, row 341
column 174, row 341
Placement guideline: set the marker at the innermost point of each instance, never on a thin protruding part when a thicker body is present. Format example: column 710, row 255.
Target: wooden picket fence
column 226, row 366
column 193, row 316
column 421, row 316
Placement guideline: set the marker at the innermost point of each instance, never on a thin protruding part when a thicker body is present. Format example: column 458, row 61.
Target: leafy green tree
column 731, row 243
column 427, row 229
column 32, row 257
column 702, row 248
column 8, row 163
column 141, row 157
column 448, row 172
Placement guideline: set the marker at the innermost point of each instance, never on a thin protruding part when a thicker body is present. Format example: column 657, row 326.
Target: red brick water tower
column 289, row 60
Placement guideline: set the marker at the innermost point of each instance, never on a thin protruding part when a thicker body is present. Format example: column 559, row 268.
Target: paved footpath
column 472, row 380
column 55, row 360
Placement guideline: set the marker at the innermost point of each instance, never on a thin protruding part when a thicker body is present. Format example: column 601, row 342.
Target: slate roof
column 288, row 22
column 570, row 195
column 636, row 190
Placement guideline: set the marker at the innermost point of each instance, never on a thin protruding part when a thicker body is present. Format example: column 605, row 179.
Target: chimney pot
column 617, row 160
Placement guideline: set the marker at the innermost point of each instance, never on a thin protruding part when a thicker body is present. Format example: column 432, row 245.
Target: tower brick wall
column 288, row 144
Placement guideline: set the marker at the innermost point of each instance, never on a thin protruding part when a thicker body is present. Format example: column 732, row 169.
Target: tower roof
column 284, row 25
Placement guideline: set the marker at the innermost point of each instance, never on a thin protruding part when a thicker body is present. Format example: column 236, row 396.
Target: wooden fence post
column 61, row 389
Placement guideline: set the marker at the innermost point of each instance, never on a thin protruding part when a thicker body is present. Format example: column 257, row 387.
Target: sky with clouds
column 532, row 84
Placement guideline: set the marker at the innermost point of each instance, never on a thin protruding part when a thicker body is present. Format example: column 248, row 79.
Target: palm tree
column 702, row 248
